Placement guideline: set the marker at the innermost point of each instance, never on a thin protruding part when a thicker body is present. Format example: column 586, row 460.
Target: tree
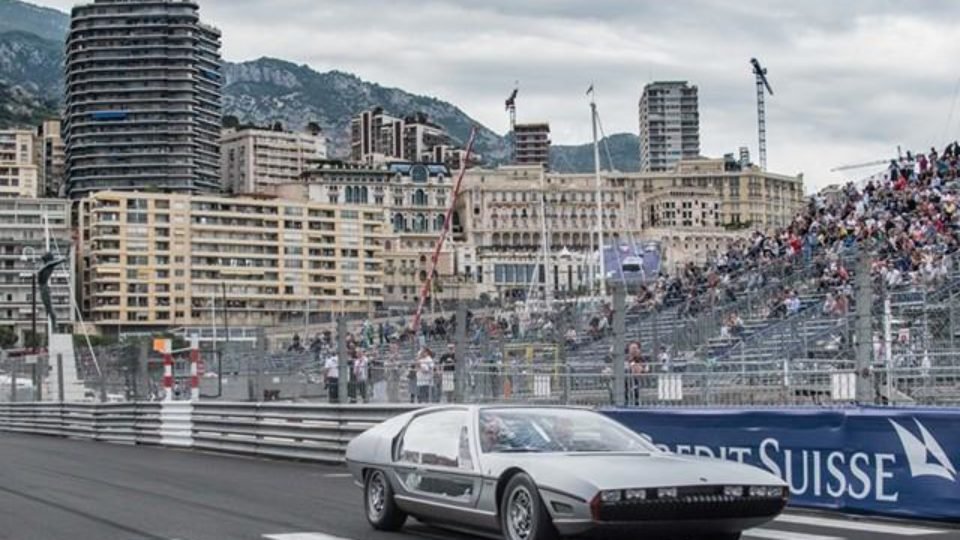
column 231, row 122
column 314, row 128
column 8, row 337
column 34, row 342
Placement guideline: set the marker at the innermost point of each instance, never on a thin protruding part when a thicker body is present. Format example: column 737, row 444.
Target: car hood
column 635, row 470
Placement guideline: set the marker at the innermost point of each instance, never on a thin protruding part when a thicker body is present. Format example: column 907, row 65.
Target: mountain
column 260, row 91
column 42, row 22
column 22, row 109
column 622, row 149
column 270, row 90
column 33, row 63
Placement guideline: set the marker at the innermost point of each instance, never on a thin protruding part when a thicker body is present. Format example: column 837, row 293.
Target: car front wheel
column 382, row 511
column 523, row 515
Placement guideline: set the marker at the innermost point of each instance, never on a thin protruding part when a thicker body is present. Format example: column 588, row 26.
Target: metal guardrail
column 132, row 423
column 273, row 430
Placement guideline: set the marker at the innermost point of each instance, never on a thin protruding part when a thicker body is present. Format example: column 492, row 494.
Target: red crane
column 425, row 290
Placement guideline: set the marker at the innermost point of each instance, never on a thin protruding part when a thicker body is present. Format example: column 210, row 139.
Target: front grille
column 692, row 506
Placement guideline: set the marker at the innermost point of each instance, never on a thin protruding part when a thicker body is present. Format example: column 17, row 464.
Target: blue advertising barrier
column 894, row 462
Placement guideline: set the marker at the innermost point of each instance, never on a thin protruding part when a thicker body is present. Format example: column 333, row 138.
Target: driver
column 492, row 432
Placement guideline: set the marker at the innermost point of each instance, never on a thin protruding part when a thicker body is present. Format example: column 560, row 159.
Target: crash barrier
column 291, row 431
column 135, row 423
column 893, row 462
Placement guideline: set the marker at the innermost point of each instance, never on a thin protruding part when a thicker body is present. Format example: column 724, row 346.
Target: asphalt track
column 53, row 489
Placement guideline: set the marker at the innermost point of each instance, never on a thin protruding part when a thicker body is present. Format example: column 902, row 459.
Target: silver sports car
column 536, row 473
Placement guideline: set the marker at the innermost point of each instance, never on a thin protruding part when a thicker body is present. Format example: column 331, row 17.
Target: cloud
column 853, row 79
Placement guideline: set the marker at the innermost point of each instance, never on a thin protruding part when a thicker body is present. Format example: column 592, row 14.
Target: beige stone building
column 253, row 160
column 699, row 207
column 151, row 260
column 19, row 174
column 413, row 198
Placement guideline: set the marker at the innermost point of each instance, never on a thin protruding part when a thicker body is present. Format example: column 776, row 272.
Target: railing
column 110, row 422
column 309, row 432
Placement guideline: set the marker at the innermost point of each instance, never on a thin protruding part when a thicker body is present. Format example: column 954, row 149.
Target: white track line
column 771, row 534
column 303, row 536
column 863, row 526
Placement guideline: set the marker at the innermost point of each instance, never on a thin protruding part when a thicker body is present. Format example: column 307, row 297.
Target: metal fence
column 907, row 353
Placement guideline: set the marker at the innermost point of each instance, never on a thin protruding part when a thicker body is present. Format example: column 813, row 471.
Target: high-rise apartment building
column 375, row 137
column 143, row 98
column 532, row 144
column 669, row 125
column 24, row 224
column 254, row 159
column 378, row 138
column 421, row 137
column 18, row 171
column 156, row 260
column 50, row 158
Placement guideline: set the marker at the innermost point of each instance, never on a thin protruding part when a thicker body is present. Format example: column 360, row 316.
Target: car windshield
column 555, row 430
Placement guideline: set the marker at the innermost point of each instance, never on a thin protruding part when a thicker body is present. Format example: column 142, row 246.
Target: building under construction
column 532, row 144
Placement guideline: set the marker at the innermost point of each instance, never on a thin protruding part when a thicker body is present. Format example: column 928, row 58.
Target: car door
column 436, row 467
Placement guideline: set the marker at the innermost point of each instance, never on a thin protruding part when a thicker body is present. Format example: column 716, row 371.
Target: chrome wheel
column 520, row 514
column 376, row 495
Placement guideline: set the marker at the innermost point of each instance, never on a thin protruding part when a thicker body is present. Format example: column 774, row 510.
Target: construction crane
column 763, row 86
column 511, row 106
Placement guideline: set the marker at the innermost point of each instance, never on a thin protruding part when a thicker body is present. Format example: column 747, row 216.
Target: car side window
column 441, row 438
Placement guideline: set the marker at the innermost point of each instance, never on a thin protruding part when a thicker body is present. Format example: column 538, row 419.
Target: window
column 555, row 430
column 440, row 439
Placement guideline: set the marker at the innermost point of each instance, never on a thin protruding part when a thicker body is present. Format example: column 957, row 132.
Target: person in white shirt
column 424, row 367
column 331, row 377
column 361, row 366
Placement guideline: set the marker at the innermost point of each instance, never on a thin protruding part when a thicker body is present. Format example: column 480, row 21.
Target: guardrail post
column 460, row 369
column 38, row 375
column 619, row 344
column 60, row 377
column 13, row 380
column 864, row 330
column 343, row 368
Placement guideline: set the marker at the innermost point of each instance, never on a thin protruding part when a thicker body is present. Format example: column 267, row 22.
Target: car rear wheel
column 382, row 511
column 523, row 515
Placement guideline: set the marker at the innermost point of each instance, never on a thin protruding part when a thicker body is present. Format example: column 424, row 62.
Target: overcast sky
column 853, row 78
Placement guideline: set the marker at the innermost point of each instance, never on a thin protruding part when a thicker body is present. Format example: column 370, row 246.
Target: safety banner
column 894, row 462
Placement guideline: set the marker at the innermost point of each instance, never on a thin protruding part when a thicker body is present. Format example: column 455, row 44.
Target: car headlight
column 733, row 491
column 766, row 491
column 635, row 494
column 667, row 493
column 610, row 496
